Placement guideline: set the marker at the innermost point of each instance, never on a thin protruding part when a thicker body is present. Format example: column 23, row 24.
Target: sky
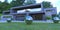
column 55, row 3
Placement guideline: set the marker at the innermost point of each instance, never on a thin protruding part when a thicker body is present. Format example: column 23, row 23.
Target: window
column 48, row 10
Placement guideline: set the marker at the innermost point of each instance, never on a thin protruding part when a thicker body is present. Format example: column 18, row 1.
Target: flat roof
column 27, row 7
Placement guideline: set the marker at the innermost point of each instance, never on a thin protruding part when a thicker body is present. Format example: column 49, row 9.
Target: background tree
column 0, row 2
column 47, row 4
column 0, row 7
column 17, row 3
column 28, row 2
column 4, row 6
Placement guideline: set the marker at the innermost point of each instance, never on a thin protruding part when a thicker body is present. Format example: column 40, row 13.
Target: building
column 37, row 15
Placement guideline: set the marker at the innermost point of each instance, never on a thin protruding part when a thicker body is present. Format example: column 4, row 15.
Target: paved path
column 43, row 21
column 47, row 21
column 3, row 21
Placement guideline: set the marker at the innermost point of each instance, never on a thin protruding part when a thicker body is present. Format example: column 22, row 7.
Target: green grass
column 0, row 16
column 34, row 26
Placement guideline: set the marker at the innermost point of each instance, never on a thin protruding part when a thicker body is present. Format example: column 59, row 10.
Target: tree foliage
column 17, row 3
column 4, row 6
column 47, row 4
column 28, row 2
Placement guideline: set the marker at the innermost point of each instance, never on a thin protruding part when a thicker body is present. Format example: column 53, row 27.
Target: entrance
column 37, row 16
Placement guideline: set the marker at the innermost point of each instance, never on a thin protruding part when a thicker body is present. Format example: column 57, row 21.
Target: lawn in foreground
column 34, row 26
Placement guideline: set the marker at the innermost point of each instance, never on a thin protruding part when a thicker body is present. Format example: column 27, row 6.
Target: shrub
column 55, row 21
column 48, row 17
column 9, row 21
column 28, row 22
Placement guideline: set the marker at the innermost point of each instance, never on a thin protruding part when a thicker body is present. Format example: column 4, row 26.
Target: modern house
column 38, row 13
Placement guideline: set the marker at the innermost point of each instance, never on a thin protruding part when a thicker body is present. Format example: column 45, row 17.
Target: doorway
column 37, row 16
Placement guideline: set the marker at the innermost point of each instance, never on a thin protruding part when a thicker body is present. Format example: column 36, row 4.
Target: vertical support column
column 27, row 13
column 44, row 17
column 42, row 8
column 11, row 11
column 14, row 17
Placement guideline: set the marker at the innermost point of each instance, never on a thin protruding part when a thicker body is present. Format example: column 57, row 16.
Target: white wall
column 31, row 10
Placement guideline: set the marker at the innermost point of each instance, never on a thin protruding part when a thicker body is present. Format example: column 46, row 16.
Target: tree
column 47, row 4
column 0, row 7
column 17, row 3
column 4, row 6
column 28, row 2
column 0, row 2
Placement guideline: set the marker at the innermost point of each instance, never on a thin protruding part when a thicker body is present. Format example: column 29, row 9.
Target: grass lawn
column 0, row 16
column 34, row 26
